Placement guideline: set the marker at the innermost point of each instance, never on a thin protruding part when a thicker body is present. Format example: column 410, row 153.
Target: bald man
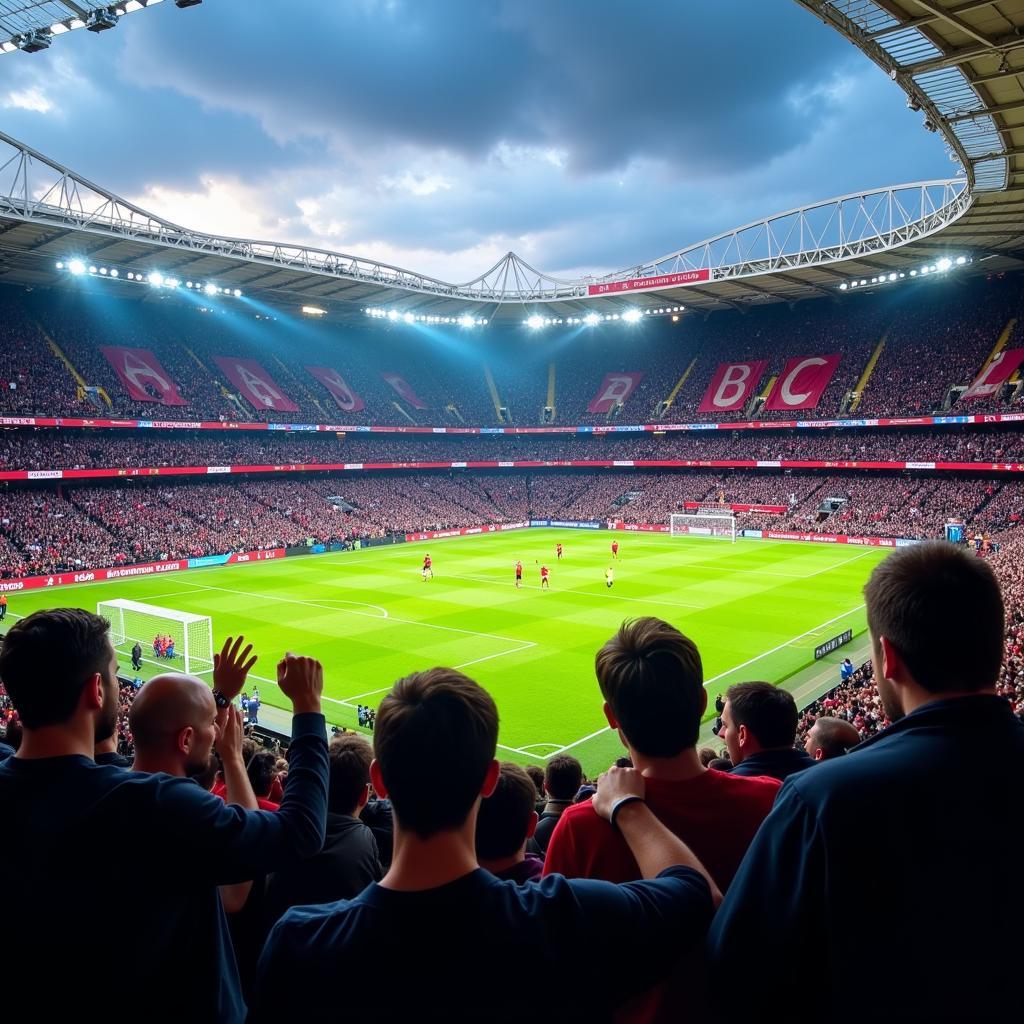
column 830, row 737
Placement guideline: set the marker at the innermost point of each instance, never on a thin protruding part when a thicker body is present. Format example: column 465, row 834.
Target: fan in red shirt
column 615, row 549
column 544, row 572
column 652, row 681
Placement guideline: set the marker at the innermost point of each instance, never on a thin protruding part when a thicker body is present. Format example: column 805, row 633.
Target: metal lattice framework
column 34, row 189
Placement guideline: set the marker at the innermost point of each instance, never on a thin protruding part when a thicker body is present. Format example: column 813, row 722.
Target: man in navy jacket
column 878, row 885
column 84, row 843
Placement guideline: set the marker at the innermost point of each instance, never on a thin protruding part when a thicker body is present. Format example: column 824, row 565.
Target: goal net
column 716, row 527
column 189, row 649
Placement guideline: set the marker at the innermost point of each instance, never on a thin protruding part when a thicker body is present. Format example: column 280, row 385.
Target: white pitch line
column 735, row 668
column 365, row 615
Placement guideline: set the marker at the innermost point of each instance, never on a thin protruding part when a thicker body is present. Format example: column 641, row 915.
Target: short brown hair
column 504, row 817
column 350, row 756
column 942, row 610
column 767, row 710
column 46, row 660
column 652, row 677
column 434, row 739
column 835, row 736
column 563, row 777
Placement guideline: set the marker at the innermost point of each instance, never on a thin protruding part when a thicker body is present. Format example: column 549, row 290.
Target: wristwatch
column 220, row 700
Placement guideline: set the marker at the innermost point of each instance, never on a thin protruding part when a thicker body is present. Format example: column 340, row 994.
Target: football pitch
column 755, row 609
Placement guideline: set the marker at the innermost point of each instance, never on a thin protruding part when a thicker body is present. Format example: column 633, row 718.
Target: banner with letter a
column 732, row 385
column 142, row 375
column 614, row 390
column 802, row 382
column 255, row 384
column 995, row 374
column 347, row 399
column 404, row 389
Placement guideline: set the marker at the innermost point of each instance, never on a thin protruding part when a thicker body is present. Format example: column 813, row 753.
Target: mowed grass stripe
column 533, row 650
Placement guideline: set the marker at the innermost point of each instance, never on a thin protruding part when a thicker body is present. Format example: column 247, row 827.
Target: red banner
column 772, row 510
column 255, row 384
column 614, row 390
column 143, row 377
column 466, row 531
column 347, row 399
column 732, row 385
column 404, row 389
column 802, row 382
column 120, row 572
column 995, row 374
column 646, row 284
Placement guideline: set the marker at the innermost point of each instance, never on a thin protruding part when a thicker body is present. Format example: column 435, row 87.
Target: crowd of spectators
column 77, row 527
column 44, row 449
column 935, row 339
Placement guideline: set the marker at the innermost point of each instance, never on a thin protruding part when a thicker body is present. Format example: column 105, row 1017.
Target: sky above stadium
column 439, row 134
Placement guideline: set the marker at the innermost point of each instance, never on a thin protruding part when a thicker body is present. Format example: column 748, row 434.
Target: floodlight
column 409, row 318
column 892, row 277
column 210, row 289
column 961, row 260
column 155, row 278
column 466, row 321
column 843, row 287
column 113, row 273
column 944, row 264
column 392, row 314
column 591, row 319
column 76, row 267
column 314, row 311
column 535, row 322
column 237, row 293
column 631, row 316
column 60, row 266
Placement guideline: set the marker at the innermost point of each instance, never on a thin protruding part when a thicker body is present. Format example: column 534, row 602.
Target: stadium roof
column 960, row 63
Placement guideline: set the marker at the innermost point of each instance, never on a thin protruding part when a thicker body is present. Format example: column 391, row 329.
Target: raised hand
column 302, row 681
column 229, row 742
column 615, row 785
column 230, row 667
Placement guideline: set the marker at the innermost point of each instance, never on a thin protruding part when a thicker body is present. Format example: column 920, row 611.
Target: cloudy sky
column 439, row 134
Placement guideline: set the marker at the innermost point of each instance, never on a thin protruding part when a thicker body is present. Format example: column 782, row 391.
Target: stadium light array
column 395, row 315
column 313, row 311
column 77, row 267
column 940, row 266
column 629, row 316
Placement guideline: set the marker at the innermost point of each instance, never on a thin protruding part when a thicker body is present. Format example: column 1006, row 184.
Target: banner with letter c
column 802, row 382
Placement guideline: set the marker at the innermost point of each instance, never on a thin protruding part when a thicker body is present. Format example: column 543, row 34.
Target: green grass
column 755, row 609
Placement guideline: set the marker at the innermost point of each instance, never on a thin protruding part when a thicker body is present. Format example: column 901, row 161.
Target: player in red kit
column 519, row 574
column 428, row 569
column 615, row 549
column 544, row 584
column 558, row 550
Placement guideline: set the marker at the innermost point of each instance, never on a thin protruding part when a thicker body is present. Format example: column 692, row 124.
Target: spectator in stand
column 830, row 737
column 912, row 816
column 652, row 681
column 505, row 823
column 536, row 774
column 759, row 727
column 435, row 742
column 349, row 861
column 262, row 769
column 563, row 776
column 71, row 826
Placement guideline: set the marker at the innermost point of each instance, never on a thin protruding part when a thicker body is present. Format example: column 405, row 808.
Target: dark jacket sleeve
column 770, row 930
column 224, row 843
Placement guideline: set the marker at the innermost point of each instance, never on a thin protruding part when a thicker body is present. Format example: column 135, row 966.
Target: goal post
column 133, row 622
column 713, row 527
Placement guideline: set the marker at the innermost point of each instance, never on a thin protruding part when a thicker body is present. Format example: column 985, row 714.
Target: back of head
column 434, row 739
column 46, row 660
column 505, row 816
column 262, row 769
column 833, row 736
column 563, row 777
column 942, row 610
column 164, row 706
column 768, row 711
column 350, row 756
column 652, row 678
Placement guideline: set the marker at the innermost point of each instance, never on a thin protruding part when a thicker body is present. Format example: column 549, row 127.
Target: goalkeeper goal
column 191, row 636
column 715, row 527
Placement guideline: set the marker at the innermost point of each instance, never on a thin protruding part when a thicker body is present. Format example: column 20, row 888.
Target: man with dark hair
column 912, row 816
column 563, row 776
column 435, row 741
column 349, row 861
column 652, row 681
column 71, row 825
column 830, row 737
column 505, row 823
column 262, row 769
column 759, row 728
